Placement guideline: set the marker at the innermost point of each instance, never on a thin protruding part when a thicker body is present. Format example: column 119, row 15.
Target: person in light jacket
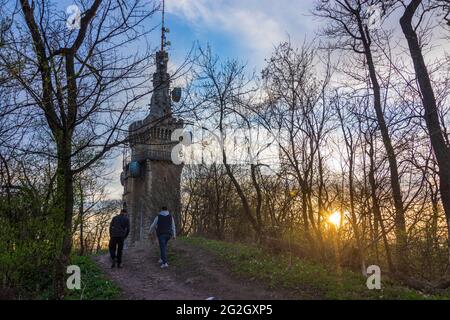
column 165, row 230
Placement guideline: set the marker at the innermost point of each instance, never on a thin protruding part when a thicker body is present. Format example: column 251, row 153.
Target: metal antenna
column 163, row 29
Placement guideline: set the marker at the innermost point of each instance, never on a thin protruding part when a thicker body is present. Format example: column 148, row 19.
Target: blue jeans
column 163, row 240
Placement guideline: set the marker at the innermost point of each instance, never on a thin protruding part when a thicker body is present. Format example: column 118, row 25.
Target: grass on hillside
column 307, row 278
column 94, row 284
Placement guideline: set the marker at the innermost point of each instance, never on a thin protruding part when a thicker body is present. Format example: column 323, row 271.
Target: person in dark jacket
column 118, row 232
column 165, row 230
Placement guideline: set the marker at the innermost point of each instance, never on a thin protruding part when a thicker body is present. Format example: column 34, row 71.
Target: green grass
column 176, row 258
column 94, row 284
column 310, row 280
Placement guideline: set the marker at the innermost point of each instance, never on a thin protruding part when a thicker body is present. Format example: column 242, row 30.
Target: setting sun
column 335, row 218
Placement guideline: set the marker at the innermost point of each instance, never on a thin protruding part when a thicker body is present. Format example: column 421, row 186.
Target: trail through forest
column 194, row 274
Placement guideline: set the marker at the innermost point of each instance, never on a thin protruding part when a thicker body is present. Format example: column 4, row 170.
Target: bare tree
column 351, row 141
column 436, row 132
column 79, row 85
column 297, row 113
column 225, row 91
column 348, row 25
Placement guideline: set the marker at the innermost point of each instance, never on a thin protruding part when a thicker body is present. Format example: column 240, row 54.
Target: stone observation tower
column 150, row 178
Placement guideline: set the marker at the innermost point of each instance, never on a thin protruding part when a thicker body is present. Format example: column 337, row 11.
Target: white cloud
column 257, row 25
column 114, row 188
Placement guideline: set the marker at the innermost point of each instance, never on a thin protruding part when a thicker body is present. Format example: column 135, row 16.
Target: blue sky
column 245, row 29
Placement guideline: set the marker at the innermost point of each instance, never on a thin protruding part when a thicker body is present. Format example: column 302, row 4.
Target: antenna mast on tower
column 163, row 29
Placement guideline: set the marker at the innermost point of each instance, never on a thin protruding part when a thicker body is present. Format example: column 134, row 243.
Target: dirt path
column 193, row 274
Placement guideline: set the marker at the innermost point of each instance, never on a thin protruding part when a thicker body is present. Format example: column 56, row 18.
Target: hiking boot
column 113, row 265
column 164, row 265
column 119, row 266
column 160, row 261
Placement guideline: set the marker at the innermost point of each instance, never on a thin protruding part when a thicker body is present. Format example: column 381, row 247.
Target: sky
column 247, row 29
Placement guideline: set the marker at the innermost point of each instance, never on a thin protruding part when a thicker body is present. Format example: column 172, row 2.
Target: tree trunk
column 376, row 208
column 354, row 219
column 400, row 221
column 440, row 148
column 245, row 203
column 254, row 171
column 64, row 204
column 349, row 143
column 81, row 214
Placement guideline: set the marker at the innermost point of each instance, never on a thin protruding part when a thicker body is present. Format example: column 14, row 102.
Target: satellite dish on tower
column 176, row 94
column 135, row 169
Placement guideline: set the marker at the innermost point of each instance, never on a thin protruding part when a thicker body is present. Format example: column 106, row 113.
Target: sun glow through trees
column 335, row 218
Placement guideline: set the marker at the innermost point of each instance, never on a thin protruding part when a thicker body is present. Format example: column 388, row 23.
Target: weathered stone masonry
column 158, row 181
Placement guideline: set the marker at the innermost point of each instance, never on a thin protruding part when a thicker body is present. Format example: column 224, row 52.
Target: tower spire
column 163, row 29
column 160, row 104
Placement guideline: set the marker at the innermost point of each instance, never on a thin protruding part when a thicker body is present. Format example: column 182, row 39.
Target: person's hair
column 164, row 208
column 123, row 211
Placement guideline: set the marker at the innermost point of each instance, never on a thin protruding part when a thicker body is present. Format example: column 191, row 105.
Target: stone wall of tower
column 158, row 186
column 159, row 182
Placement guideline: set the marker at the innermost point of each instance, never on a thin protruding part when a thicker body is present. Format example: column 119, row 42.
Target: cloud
column 114, row 188
column 257, row 25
